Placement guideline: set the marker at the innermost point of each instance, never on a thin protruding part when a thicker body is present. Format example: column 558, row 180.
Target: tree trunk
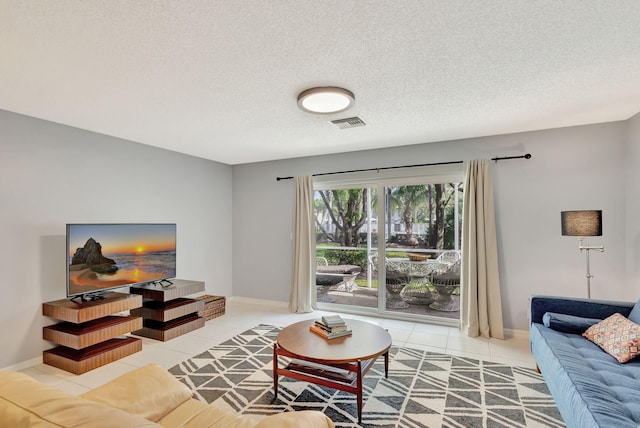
column 440, row 206
column 433, row 233
column 388, row 215
column 407, row 217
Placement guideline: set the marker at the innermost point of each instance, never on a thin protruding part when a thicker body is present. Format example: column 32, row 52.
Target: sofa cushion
column 150, row 391
column 298, row 419
column 580, row 307
column 196, row 414
column 617, row 336
column 591, row 388
column 634, row 315
column 25, row 402
column 568, row 323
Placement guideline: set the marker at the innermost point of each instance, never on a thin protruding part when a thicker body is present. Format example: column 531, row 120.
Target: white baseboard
column 262, row 302
column 24, row 364
column 516, row 334
column 508, row 332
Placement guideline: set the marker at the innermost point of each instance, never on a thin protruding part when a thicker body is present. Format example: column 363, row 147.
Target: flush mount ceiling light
column 325, row 100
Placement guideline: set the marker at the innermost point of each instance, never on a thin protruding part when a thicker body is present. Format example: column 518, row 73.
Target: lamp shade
column 581, row 223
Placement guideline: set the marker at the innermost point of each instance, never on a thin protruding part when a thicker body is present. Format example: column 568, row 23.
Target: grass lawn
column 364, row 283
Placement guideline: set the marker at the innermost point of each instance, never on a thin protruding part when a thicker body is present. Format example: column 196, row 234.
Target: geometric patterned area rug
column 424, row 389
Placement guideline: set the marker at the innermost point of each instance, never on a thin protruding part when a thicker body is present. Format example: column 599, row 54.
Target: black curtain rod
column 527, row 156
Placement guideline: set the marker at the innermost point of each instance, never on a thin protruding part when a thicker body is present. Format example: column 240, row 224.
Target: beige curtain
column 303, row 279
column 480, row 301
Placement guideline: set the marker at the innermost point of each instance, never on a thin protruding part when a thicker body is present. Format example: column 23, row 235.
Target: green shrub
column 344, row 257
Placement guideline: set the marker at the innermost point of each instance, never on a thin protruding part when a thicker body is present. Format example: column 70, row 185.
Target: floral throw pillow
column 618, row 336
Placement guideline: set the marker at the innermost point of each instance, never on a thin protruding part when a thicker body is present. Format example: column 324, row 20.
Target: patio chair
column 446, row 284
column 322, row 289
column 373, row 263
column 449, row 256
column 337, row 277
column 396, row 280
column 391, row 266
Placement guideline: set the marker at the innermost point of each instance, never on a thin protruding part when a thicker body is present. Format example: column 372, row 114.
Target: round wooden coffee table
column 339, row 363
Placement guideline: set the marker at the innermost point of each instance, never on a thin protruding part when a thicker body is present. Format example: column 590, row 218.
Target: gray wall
column 572, row 168
column 51, row 175
column 632, row 225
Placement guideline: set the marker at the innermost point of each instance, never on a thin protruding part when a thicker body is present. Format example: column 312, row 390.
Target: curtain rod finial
column 527, row 156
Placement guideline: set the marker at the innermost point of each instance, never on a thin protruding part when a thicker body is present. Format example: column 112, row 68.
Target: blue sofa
column 590, row 387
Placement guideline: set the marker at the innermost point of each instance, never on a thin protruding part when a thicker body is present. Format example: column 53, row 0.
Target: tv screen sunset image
column 102, row 256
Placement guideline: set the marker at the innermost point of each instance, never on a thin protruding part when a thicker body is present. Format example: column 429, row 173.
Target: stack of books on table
column 330, row 327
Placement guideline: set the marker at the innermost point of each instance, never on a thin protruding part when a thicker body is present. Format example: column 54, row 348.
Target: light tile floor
column 242, row 315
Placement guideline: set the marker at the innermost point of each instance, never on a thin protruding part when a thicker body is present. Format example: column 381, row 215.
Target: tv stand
column 90, row 335
column 88, row 297
column 162, row 283
column 165, row 311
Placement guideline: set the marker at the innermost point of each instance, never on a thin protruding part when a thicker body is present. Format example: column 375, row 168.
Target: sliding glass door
column 346, row 232
column 391, row 247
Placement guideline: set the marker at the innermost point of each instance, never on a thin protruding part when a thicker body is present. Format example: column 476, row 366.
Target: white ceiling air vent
column 350, row 122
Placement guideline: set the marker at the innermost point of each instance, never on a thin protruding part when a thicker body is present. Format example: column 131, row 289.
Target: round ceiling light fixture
column 325, row 100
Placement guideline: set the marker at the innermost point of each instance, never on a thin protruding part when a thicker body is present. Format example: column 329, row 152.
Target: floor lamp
column 581, row 224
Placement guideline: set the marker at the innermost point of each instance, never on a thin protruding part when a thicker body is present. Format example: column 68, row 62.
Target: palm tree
column 405, row 200
column 440, row 196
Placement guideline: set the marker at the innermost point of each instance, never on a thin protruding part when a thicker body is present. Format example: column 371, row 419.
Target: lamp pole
column 581, row 247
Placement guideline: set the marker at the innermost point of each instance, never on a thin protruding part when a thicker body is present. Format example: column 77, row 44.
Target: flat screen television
column 103, row 257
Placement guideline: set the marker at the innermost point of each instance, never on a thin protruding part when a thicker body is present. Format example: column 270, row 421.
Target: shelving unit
column 166, row 313
column 90, row 335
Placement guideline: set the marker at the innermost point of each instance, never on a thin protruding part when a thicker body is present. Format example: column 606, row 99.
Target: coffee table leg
column 386, row 364
column 275, row 371
column 359, row 393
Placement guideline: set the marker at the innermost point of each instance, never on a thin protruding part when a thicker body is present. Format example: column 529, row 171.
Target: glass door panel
column 391, row 249
column 346, row 230
column 422, row 238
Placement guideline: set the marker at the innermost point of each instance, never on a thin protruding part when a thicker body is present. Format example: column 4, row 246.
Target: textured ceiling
column 218, row 79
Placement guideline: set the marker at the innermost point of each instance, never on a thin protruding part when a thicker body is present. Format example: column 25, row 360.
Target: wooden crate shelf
column 214, row 306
